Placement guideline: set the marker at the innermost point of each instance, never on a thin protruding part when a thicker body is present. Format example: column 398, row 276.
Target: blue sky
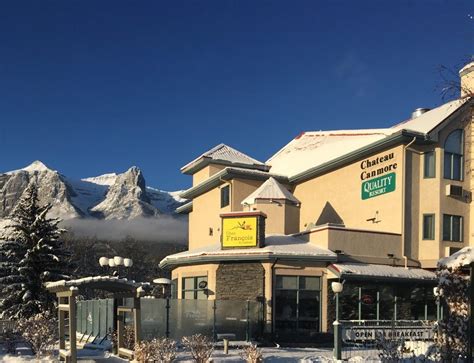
column 90, row 87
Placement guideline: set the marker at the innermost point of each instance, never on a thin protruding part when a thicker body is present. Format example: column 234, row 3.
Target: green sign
column 378, row 186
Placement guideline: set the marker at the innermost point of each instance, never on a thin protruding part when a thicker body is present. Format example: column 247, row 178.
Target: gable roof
column 271, row 189
column 224, row 155
column 315, row 150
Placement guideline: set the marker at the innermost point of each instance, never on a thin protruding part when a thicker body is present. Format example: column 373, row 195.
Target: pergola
column 67, row 292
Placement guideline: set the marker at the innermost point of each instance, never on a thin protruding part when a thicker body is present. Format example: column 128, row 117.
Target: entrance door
column 297, row 307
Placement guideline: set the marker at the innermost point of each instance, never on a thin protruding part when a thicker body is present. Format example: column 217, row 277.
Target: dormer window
column 453, row 156
column 225, row 196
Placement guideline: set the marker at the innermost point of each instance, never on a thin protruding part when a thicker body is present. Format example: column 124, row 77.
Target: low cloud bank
column 161, row 229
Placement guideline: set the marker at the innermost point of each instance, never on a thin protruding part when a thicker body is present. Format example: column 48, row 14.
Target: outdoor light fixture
column 118, row 260
column 111, row 262
column 127, row 262
column 162, row 281
column 103, row 261
column 336, row 287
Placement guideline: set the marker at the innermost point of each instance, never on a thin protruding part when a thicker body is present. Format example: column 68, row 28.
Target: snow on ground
column 271, row 355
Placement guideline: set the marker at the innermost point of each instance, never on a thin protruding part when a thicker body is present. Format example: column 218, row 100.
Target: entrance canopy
column 113, row 284
column 361, row 271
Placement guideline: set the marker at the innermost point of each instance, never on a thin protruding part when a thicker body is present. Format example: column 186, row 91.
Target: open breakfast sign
column 241, row 230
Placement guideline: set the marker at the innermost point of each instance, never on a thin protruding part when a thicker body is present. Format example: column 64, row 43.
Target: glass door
column 297, row 307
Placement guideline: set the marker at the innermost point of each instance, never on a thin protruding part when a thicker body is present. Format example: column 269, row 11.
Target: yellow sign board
column 239, row 232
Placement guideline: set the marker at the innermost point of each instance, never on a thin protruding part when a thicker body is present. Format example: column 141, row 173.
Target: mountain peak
column 36, row 165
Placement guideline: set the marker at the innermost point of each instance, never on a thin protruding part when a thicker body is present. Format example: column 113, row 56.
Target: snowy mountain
column 110, row 196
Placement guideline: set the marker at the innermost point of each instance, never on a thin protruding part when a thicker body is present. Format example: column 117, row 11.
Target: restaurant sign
column 239, row 232
column 367, row 333
column 378, row 186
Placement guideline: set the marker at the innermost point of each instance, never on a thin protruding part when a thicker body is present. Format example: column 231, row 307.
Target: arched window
column 453, row 156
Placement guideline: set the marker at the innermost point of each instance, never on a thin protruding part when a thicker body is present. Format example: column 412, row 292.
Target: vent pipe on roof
column 418, row 112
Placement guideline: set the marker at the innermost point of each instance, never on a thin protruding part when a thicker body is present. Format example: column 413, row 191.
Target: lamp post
column 437, row 294
column 337, row 288
column 115, row 262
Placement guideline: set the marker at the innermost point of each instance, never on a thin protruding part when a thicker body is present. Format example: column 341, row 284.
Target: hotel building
column 374, row 208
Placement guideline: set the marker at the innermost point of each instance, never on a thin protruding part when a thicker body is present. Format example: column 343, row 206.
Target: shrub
column 252, row 354
column 200, row 346
column 40, row 331
column 159, row 350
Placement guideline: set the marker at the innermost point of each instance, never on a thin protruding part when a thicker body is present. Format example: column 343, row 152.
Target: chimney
column 467, row 79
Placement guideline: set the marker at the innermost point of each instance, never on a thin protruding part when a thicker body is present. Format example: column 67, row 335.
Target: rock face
column 126, row 198
column 52, row 188
column 110, row 196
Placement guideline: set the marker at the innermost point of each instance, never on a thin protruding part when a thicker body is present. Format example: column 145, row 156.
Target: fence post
column 248, row 322
column 167, row 317
column 214, row 333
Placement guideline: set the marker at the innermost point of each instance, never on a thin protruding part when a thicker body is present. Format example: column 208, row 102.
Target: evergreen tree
column 32, row 255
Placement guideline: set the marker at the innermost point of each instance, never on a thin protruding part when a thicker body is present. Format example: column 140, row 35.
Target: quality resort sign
column 383, row 169
column 378, row 186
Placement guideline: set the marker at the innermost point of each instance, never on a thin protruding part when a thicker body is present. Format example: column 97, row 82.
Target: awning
column 364, row 271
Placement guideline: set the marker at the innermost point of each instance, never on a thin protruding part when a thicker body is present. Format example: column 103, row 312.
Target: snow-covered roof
column 363, row 270
column 311, row 149
column 223, row 154
column 463, row 257
column 428, row 121
column 316, row 148
column 276, row 246
column 110, row 283
column 271, row 190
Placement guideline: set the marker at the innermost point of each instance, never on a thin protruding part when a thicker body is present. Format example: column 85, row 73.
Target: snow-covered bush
column 200, row 346
column 453, row 285
column 390, row 349
column 160, row 350
column 41, row 332
column 252, row 354
column 128, row 337
column 165, row 350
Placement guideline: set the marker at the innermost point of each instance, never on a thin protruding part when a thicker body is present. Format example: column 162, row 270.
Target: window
column 430, row 165
column 174, row 289
column 225, row 196
column 452, row 228
column 453, row 156
column 194, row 288
column 297, row 305
column 428, row 226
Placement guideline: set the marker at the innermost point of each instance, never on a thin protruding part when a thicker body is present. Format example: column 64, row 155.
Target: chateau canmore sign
column 383, row 167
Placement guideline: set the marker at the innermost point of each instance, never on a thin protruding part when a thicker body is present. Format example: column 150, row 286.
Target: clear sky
column 91, row 87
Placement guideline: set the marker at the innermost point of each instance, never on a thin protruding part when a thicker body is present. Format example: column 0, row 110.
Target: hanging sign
column 359, row 333
column 242, row 229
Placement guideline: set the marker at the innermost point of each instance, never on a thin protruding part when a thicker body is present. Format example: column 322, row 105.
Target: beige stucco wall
column 208, row 270
column 282, row 217
column 206, row 172
column 205, row 215
column 342, row 189
column 357, row 242
column 207, row 209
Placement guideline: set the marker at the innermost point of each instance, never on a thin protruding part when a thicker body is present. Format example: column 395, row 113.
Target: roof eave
column 164, row 264
column 224, row 175
column 204, row 161
column 396, row 138
column 185, row 208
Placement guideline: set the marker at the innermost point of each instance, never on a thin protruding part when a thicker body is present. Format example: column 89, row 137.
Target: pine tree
column 32, row 256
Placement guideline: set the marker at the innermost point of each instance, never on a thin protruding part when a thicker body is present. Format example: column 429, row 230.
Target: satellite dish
column 202, row 284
